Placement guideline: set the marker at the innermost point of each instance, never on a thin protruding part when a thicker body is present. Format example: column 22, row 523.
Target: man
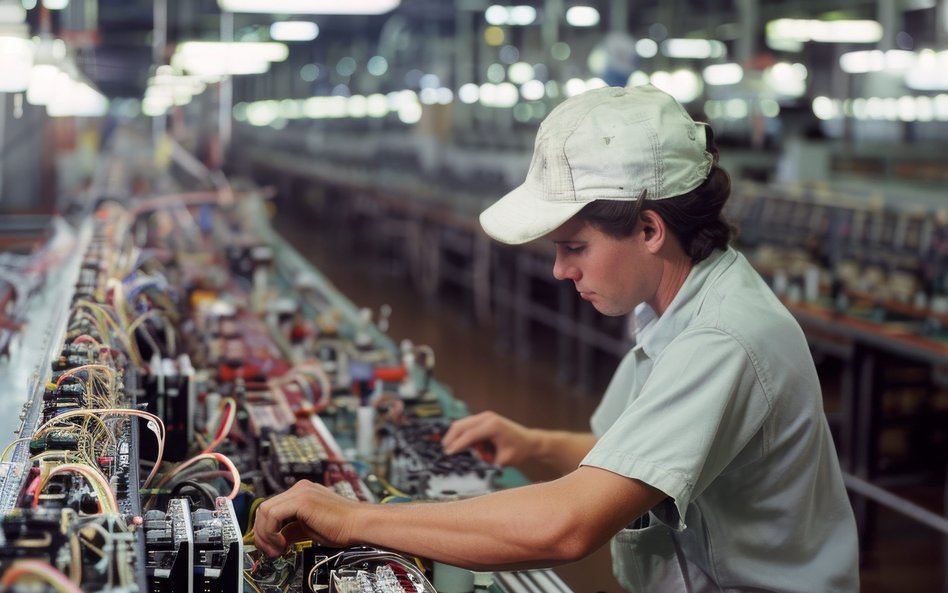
column 710, row 465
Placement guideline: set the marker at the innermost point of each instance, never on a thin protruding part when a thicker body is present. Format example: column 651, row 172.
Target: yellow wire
column 392, row 489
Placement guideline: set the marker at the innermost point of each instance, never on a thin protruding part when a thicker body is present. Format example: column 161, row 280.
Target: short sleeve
column 700, row 406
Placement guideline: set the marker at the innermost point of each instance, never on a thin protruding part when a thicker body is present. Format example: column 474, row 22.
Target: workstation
column 236, row 238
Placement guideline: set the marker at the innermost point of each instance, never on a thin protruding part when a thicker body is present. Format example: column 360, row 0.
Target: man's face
column 614, row 275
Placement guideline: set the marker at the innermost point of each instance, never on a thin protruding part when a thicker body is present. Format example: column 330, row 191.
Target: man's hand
column 512, row 443
column 305, row 511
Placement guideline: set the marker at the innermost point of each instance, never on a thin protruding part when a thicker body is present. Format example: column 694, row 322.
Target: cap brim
column 522, row 216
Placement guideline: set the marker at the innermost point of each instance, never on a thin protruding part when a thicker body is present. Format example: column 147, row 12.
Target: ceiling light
column 532, row 90
column 646, row 47
column 55, row 4
column 520, row 72
column 12, row 13
column 699, row 49
column 929, row 73
column 16, row 62
column 515, row 16
column 77, row 99
column 683, row 85
column 786, row 79
column 209, row 58
column 843, row 31
column 825, row 108
column 469, row 93
column 294, row 31
column 44, row 82
column 310, row 6
column 723, row 74
column 582, row 16
column 521, row 15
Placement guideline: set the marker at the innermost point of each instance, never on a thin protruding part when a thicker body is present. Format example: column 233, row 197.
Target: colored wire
column 99, row 483
column 392, row 489
column 42, row 570
column 85, row 367
column 227, row 422
column 10, row 446
column 160, row 434
column 248, row 535
column 222, row 459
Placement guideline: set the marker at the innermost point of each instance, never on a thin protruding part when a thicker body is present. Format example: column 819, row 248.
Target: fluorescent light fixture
column 77, row 99
column 238, row 50
column 520, row 72
column 44, row 83
column 469, row 93
column 410, row 113
column 210, row 59
column 582, row 16
column 496, row 15
column 646, row 47
column 192, row 84
column 785, row 79
column 155, row 106
column 574, row 86
column 683, row 85
column 861, row 62
column 723, row 74
column 376, row 105
column 825, row 108
column 55, row 4
column 16, row 63
column 209, row 70
column 310, row 6
column 637, row 78
column 12, row 13
column 532, row 90
column 521, row 16
column 514, row 16
column 294, row 31
column 428, row 96
column 698, row 49
column 843, row 31
column 929, row 73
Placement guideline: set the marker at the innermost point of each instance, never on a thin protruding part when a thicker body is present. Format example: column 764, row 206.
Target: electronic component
column 418, row 465
column 169, row 539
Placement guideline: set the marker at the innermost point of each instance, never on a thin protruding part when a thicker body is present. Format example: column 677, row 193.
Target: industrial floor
column 904, row 559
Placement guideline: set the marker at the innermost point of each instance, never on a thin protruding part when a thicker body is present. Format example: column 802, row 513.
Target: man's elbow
column 572, row 540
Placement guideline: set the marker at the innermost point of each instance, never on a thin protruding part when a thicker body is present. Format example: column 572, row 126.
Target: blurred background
column 379, row 129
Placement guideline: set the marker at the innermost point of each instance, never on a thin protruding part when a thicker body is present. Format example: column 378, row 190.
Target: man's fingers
column 296, row 532
column 271, row 517
column 467, row 436
column 457, row 428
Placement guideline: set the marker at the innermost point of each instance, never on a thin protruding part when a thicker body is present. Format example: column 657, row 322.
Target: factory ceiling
column 117, row 43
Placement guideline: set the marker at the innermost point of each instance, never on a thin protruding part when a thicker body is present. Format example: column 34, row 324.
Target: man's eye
column 572, row 249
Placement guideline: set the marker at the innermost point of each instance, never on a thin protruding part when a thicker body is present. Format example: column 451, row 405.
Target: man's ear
column 654, row 230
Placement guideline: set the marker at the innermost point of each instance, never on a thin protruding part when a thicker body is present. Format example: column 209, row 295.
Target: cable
column 99, row 484
column 95, row 413
column 44, row 571
column 85, row 367
column 10, row 446
column 210, row 456
column 206, row 494
column 227, row 422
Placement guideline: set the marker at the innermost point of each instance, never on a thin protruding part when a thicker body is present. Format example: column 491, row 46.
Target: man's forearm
column 562, row 450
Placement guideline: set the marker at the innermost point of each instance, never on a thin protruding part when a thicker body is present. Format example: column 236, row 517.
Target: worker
column 710, row 465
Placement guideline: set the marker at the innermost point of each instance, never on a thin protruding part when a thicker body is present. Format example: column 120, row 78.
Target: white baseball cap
column 611, row 143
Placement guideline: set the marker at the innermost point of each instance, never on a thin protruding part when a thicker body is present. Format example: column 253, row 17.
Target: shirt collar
column 654, row 333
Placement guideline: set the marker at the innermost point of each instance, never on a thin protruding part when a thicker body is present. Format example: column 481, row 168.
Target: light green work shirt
column 719, row 406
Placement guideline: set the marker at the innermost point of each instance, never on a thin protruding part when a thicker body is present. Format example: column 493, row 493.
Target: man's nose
column 564, row 271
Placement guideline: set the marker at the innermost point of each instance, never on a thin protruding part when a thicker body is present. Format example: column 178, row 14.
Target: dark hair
column 695, row 218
